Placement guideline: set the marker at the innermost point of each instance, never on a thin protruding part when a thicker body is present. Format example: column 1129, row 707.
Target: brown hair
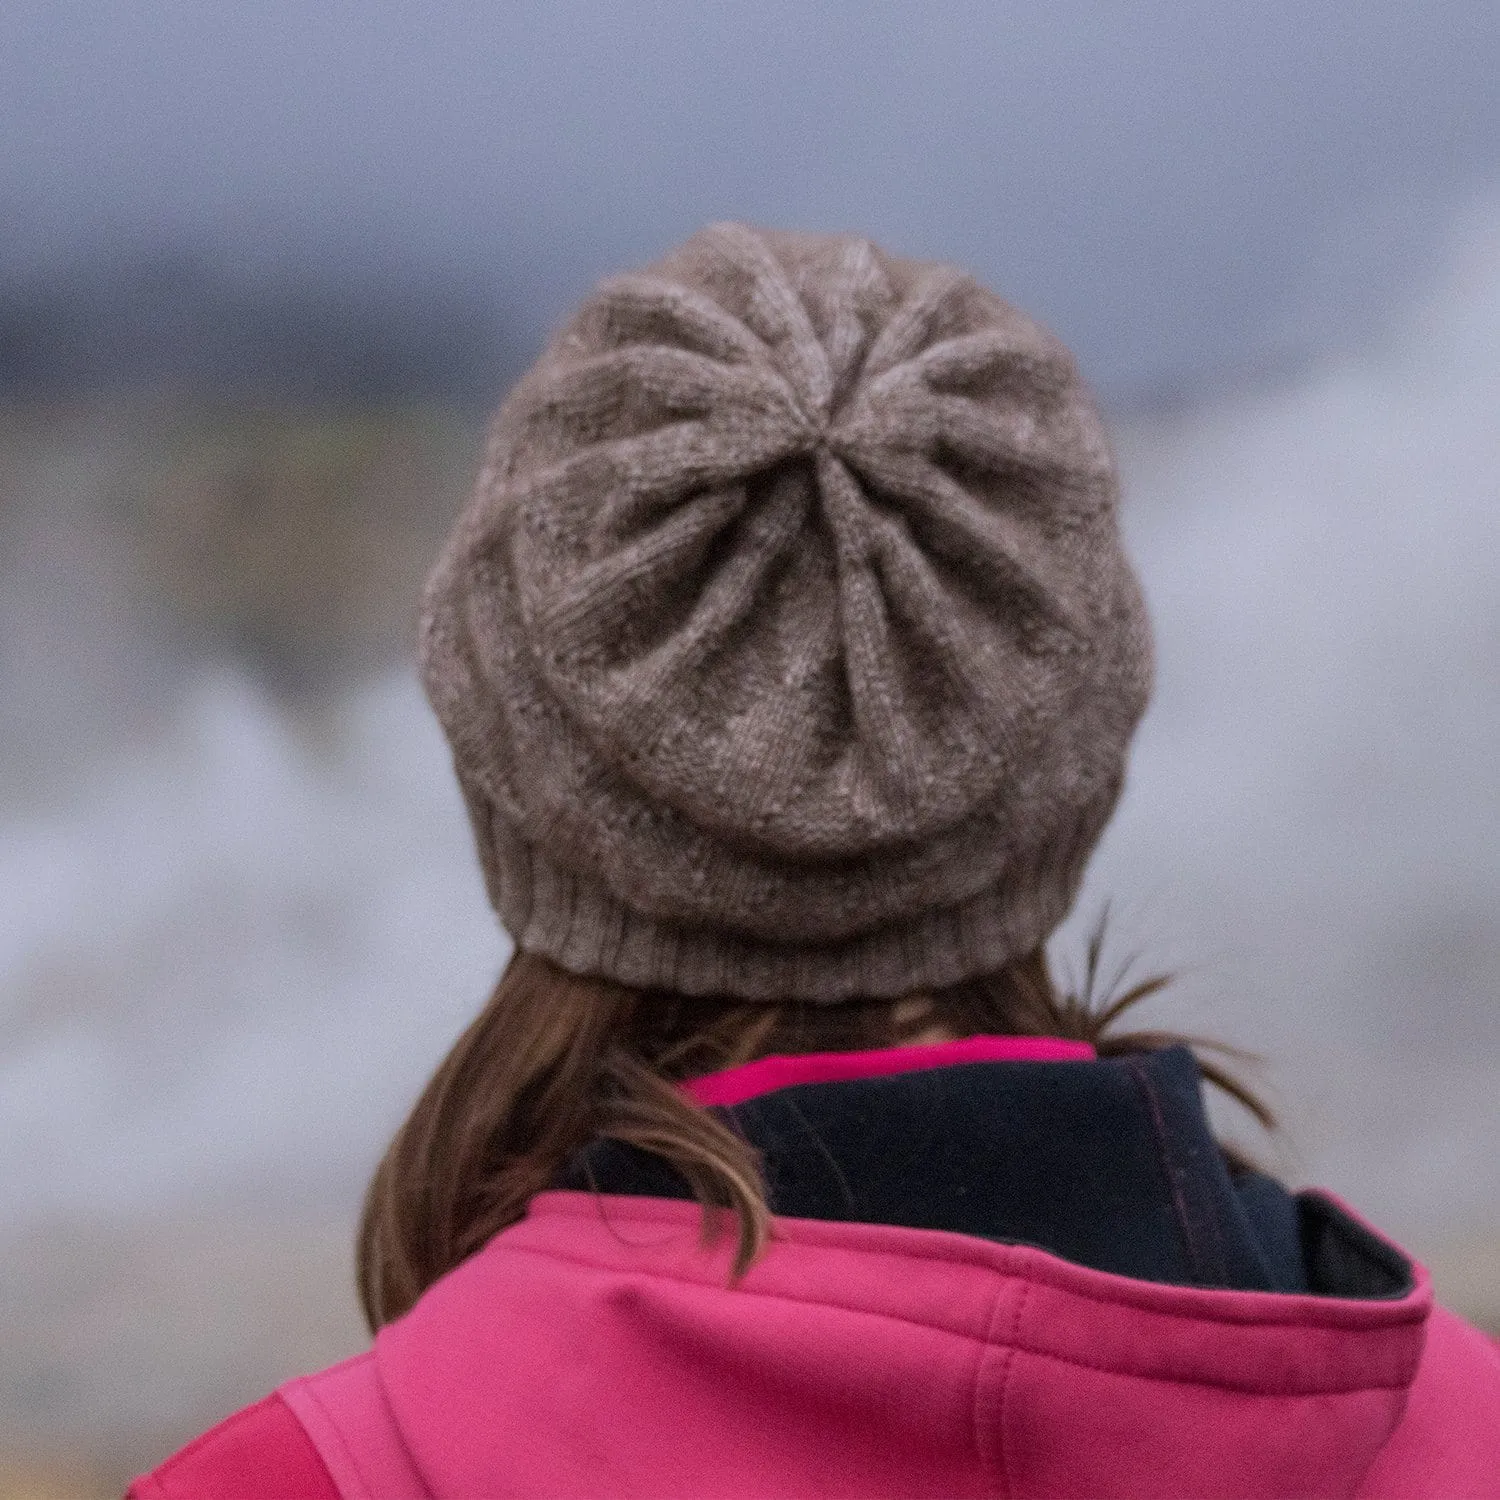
column 556, row 1060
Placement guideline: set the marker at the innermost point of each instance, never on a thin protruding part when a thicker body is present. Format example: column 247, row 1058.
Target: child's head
column 790, row 658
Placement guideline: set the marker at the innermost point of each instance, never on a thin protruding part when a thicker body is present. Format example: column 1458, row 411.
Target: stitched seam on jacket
column 1290, row 1320
column 1013, row 1342
column 310, row 1394
column 1390, row 1438
column 1068, row 1359
column 1281, row 1392
column 1169, row 1168
column 983, row 1449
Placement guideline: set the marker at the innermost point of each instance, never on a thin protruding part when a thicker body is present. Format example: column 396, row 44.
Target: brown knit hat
column 786, row 646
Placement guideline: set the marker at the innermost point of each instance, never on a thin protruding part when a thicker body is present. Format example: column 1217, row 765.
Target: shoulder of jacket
column 261, row 1450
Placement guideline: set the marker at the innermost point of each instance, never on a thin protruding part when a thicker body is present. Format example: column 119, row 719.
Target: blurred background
column 264, row 268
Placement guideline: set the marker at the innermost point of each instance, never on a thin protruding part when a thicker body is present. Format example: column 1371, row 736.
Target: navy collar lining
column 1109, row 1164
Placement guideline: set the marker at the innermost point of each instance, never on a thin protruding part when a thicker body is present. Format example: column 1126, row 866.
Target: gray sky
column 1176, row 187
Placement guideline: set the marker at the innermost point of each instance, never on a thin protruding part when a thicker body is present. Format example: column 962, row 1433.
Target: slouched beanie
column 786, row 647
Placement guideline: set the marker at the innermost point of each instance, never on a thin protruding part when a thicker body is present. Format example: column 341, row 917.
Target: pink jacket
column 594, row 1350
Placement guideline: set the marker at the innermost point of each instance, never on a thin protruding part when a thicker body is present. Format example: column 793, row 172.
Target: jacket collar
column 1109, row 1164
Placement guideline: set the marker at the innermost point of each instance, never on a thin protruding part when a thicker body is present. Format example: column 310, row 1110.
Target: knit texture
column 786, row 647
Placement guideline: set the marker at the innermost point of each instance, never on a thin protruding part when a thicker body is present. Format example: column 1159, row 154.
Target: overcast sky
column 1176, row 187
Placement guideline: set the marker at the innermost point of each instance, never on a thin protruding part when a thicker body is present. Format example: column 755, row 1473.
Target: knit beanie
column 786, row 646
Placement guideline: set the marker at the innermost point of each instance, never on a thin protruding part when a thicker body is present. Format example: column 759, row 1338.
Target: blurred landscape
column 264, row 272
column 242, row 919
